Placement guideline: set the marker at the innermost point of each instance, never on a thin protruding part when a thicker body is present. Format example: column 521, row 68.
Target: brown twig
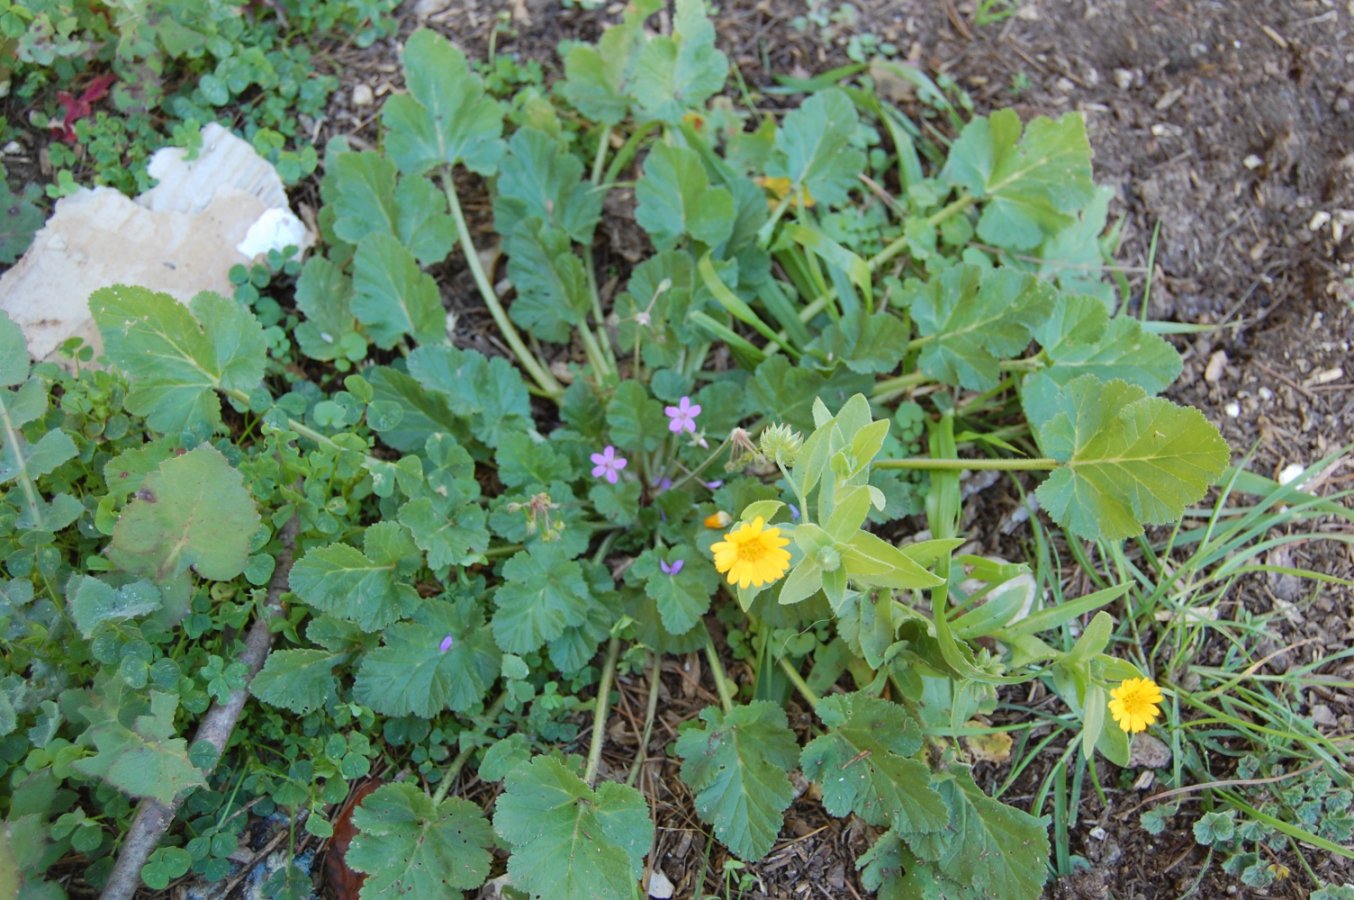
column 153, row 818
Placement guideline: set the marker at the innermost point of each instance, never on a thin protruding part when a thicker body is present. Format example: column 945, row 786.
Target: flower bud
column 782, row 444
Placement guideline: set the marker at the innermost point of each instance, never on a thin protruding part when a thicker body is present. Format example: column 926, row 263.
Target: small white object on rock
column 1252, row 162
column 1233, row 409
column 181, row 237
column 362, row 95
column 1099, row 833
column 660, row 888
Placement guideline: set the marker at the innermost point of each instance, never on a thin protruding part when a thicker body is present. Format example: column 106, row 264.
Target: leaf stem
column 717, row 670
column 539, row 373
column 444, row 786
column 798, row 681
column 973, row 465
column 599, row 713
column 655, row 682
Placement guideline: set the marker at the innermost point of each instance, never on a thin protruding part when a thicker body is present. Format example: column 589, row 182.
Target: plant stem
column 973, row 465
column 599, row 713
column 892, row 387
column 898, row 246
column 655, row 682
column 457, row 764
column 798, row 681
column 539, row 373
column 702, row 467
column 717, row 670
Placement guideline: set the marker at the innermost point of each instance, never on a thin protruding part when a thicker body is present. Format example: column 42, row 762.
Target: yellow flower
column 1134, row 704
column 752, row 555
column 718, row 520
column 780, row 187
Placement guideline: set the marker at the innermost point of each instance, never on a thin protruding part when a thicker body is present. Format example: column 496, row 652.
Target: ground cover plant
column 452, row 553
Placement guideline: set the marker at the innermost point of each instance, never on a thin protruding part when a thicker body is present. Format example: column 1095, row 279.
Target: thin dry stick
column 1234, row 782
column 153, row 818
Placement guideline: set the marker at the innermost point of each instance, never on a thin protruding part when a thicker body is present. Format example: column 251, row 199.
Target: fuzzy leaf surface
column 393, row 297
column 176, row 355
column 411, row 847
column 367, row 588
column 552, row 286
column 410, row 674
column 596, row 77
column 324, row 296
column 1128, row 459
column 865, row 764
column 1033, row 185
column 1080, row 338
column 446, row 117
column 738, row 766
column 540, row 178
column 299, row 680
column 145, row 760
column 972, row 319
column 680, row 72
column 193, row 510
column 93, row 602
column 813, row 147
column 542, row 594
column 568, row 841
column 489, row 392
column 368, row 199
column 676, row 198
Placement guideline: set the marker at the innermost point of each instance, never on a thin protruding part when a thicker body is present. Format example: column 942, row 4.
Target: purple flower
column 715, row 485
column 683, row 416
column 794, row 512
column 607, row 464
column 447, row 643
column 673, row 568
column 664, row 484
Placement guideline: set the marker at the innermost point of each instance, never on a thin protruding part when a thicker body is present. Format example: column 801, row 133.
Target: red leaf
column 343, row 881
column 78, row 108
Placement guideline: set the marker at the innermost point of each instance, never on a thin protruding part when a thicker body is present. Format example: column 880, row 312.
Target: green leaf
column 866, row 764
column 410, row 414
column 972, row 318
column 446, row 117
column 813, row 147
column 540, row 178
column 450, row 532
column 989, row 847
column 568, row 841
column 368, row 588
column 366, row 200
column 553, row 295
column 490, row 392
column 176, row 356
column 675, row 199
column 864, row 343
column 680, row 72
column 682, row 597
column 596, row 76
column 636, row 420
column 324, row 296
column 419, row 672
column 145, row 760
column 737, row 766
column 299, row 680
column 410, row 846
column 542, row 594
column 1032, row 185
column 194, row 510
column 1080, row 338
column 13, row 353
column 27, row 462
column 393, row 296
column 524, row 458
column 94, row 602
column 1128, row 459
column 20, row 219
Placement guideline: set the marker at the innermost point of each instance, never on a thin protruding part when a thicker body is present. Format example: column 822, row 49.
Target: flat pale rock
column 181, row 237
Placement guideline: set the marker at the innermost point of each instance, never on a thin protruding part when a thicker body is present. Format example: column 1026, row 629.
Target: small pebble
column 1252, row 162
column 1324, row 716
column 362, row 95
column 660, row 888
column 1216, row 364
column 1123, row 78
column 1233, row 409
column 1266, row 394
column 14, row 148
column 1099, row 833
column 1290, row 473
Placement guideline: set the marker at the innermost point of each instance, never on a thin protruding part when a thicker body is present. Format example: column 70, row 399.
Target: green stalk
column 655, row 682
column 717, row 670
column 538, row 372
column 974, row 465
column 890, row 388
column 626, row 153
column 898, row 246
column 798, row 681
column 459, row 762
column 599, row 713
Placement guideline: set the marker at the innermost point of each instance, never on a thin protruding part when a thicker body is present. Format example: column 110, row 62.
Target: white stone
column 1291, row 472
column 660, row 887
column 1233, row 409
column 362, row 95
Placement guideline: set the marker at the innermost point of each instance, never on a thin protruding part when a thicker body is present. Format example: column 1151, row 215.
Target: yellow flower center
column 752, row 555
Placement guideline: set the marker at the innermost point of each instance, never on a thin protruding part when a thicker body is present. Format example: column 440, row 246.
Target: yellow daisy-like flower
column 1134, row 704
column 752, row 555
column 780, row 187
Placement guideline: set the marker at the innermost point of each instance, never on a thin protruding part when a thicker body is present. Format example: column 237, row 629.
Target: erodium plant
column 835, row 317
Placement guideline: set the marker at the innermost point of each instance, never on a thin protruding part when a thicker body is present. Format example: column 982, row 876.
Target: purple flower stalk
column 608, row 464
column 682, row 416
column 447, row 643
column 671, row 568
